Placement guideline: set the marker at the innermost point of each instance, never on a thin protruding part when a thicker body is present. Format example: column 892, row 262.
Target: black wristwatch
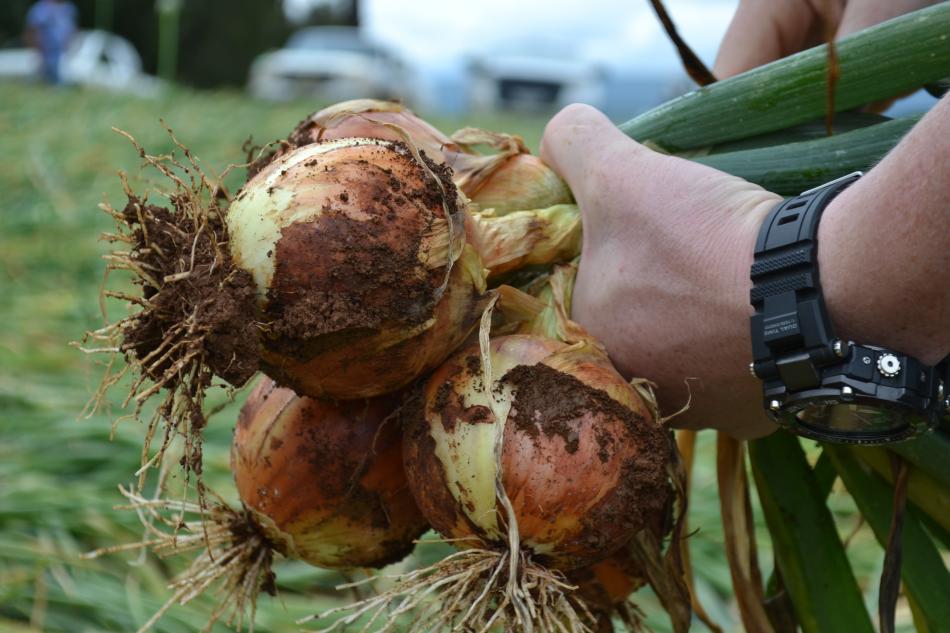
column 815, row 384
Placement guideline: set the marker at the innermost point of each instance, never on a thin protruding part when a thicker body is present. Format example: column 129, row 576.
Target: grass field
column 59, row 472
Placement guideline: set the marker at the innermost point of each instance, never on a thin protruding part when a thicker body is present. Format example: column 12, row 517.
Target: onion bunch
column 344, row 268
column 354, row 261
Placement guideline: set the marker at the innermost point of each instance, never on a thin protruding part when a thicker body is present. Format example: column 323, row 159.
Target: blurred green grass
column 59, row 473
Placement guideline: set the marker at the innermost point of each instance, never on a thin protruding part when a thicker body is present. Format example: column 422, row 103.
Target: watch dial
column 851, row 418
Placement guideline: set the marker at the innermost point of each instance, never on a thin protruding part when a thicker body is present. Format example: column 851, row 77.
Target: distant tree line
column 217, row 39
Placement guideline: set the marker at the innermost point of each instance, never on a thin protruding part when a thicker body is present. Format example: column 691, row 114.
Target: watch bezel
column 916, row 421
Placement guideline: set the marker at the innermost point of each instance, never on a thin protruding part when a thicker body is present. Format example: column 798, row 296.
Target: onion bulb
column 583, row 461
column 362, row 272
column 535, row 458
column 324, row 480
column 319, row 482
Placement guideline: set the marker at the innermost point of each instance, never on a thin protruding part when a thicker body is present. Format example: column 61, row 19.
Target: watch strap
column 792, row 336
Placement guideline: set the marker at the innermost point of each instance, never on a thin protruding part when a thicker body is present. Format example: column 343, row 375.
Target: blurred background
column 449, row 58
column 220, row 72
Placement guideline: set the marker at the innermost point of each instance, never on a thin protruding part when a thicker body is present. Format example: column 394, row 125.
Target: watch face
column 851, row 418
column 857, row 422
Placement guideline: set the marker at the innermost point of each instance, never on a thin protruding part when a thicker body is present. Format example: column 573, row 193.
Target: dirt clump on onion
column 196, row 316
column 222, row 295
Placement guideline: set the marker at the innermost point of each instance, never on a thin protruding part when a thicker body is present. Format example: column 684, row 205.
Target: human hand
column 762, row 31
column 664, row 276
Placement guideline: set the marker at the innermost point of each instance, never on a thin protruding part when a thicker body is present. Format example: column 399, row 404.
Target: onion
column 582, row 460
column 323, row 480
column 535, row 458
column 318, row 482
column 361, row 269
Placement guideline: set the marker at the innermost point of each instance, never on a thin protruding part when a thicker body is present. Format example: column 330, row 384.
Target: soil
column 306, row 132
column 338, row 277
column 554, row 401
column 220, row 296
column 245, row 527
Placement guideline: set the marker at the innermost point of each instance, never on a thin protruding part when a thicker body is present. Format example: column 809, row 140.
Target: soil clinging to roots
column 196, row 316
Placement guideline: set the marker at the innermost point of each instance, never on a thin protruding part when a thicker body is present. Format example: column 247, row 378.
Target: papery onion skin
column 583, row 462
column 522, row 182
column 358, row 253
column 510, row 180
column 325, row 480
column 367, row 118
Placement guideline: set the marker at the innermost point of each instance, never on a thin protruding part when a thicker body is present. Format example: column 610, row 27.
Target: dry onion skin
column 319, row 482
column 583, row 461
column 361, row 118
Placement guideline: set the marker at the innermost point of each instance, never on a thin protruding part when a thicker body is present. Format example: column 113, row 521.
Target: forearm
column 884, row 247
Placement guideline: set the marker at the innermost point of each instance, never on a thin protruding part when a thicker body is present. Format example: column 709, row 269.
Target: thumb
column 579, row 140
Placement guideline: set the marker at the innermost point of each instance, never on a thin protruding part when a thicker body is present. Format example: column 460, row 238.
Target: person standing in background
column 50, row 24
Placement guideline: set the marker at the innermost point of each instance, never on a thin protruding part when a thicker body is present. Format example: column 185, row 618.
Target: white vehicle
column 330, row 63
column 93, row 58
column 19, row 63
column 534, row 82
